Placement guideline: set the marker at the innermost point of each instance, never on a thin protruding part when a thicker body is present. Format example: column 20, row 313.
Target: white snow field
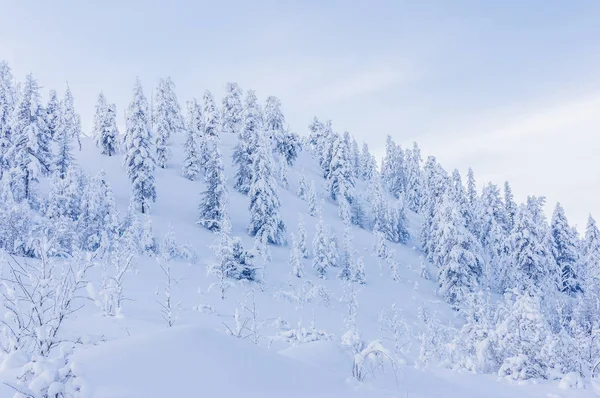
column 139, row 356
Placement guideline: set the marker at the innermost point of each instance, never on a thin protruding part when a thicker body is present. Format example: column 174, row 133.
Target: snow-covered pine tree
column 393, row 168
column 532, row 264
column 194, row 144
column 321, row 252
column 489, row 210
column 8, row 101
column 302, row 186
column 435, row 185
column 71, row 122
column 213, row 203
column 232, row 109
column 53, row 113
column 166, row 119
column 266, row 223
column 471, row 189
column 359, row 272
column 355, row 156
column 414, row 178
column 591, row 257
column 139, row 151
column 274, row 124
column 347, row 259
column 312, row 200
column 459, row 254
column 325, row 148
column 248, row 143
column 211, row 116
column 67, row 128
column 510, row 208
column 99, row 119
column 107, row 140
column 296, row 259
column 565, row 252
column 30, row 155
column 340, row 180
column 315, row 136
column 302, row 238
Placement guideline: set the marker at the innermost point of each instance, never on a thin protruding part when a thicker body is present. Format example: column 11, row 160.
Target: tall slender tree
column 139, row 151
column 213, row 204
column 8, row 100
column 192, row 163
column 564, row 250
column 247, row 143
column 166, row 119
column 232, row 109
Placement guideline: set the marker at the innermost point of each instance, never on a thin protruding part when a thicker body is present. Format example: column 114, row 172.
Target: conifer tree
column 248, row 142
column 321, row 253
column 355, row 156
column 471, row 189
column 564, row 250
column 340, row 180
column 8, row 101
column 29, row 155
column 232, row 109
column 211, row 116
column 312, row 200
column 99, row 117
column 265, row 222
column 414, row 178
column 393, row 168
column 64, row 158
column 53, row 113
column 192, row 163
column 71, row 122
column 591, row 256
column 108, row 141
column 302, row 186
column 531, row 262
column 166, row 119
column 302, row 238
column 139, row 151
column 460, row 260
column 296, row 259
column 510, row 207
column 275, row 124
column 347, row 261
column 365, row 163
column 214, row 199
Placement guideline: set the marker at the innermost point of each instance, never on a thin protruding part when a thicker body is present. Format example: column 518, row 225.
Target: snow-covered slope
column 196, row 357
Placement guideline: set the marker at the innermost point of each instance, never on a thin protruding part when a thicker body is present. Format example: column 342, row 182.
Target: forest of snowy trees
column 526, row 288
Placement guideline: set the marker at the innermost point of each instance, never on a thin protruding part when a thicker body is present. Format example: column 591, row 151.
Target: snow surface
column 143, row 358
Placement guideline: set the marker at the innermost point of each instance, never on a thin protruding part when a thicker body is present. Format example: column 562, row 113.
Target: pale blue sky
column 511, row 88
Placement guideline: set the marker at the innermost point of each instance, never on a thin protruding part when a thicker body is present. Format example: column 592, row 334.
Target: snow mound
column 189, row 361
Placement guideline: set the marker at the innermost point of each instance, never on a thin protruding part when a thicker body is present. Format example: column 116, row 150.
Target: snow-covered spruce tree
column 296, row 259
column 98, row 218
column 63, row 159
column 393, row 168
column 414, row 178
column 302, row 186
column 64, row 199
column 435, row 186
column 347, row 257
column 316, row 133
column 265, row 221
column 53, row 113
column 274, row 123
column 8, row 101
column 591, row 258
column 139, row 151
column 286, row 144
column 368, row 164
column 521, row 335
column 166, row 119
column 302, row 238
column 322, row 255
column 312, row 200
column 325, row 148
column 232, row 109
column 460, row 260
column 248, row 142
column 71, row 122
column 565, row 252
column 109, row 132
column 510, row 208
column 194, row 144
column 211, row 116
column 471, row 189
column 340, row 180
column 30, row 155
column 213, row 202
column 355, row 156
column 99, row 111
column 532, row 266
column 459, row 197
